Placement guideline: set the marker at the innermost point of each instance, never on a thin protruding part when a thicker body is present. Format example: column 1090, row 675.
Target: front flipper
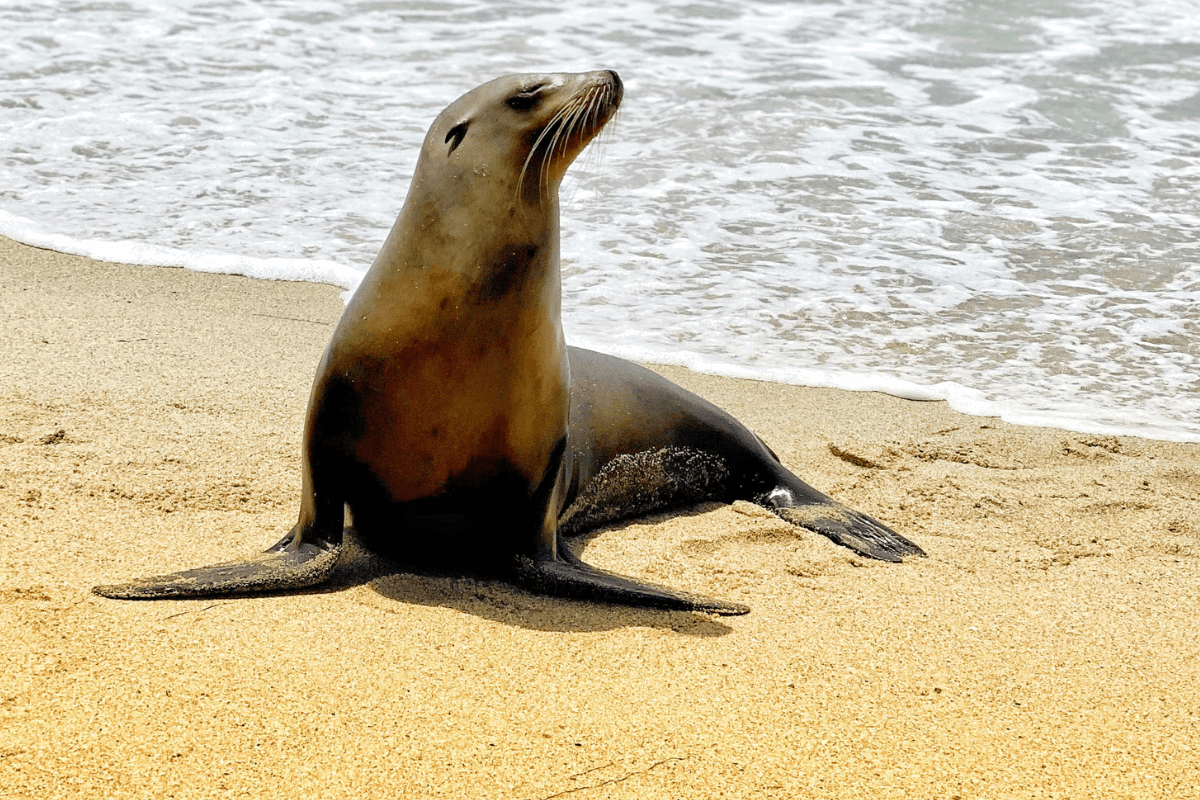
column 284, row 567
column 855, row 530
column 567, row 576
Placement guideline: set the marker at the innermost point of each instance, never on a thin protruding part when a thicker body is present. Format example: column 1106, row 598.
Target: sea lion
column 451, row 419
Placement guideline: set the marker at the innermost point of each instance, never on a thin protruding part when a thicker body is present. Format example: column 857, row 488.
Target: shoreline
column 961, row 398
column 150, row 420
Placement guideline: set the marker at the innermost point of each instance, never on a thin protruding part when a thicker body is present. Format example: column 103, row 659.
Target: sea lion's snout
column 618, row 86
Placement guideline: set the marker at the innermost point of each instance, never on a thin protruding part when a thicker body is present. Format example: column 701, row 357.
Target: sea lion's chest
column 455, row 402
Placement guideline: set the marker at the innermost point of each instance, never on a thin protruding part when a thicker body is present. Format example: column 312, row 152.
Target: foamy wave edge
column 960, row 398
column 963, row 399
column 28, row 232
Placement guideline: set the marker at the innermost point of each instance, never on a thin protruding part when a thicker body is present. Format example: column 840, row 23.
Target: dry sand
column 150, row 420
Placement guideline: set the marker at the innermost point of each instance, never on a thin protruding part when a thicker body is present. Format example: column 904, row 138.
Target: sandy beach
column 150, row 420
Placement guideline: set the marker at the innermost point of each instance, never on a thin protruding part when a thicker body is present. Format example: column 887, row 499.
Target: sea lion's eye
column 525, row 99
column 456, row 133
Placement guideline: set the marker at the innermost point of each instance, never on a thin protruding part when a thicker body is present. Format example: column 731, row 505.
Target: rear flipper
column 862, row 534
column 570, row 577
column 281, row 568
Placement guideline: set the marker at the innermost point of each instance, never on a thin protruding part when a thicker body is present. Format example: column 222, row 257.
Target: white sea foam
column 996, row 205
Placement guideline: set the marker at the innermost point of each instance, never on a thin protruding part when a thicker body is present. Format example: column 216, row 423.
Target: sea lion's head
column 481, row 216
column 519, row 133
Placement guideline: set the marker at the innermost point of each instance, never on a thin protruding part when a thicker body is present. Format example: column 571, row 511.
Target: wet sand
column 150, row 420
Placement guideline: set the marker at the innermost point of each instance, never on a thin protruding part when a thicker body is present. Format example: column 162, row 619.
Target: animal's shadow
column 482, row 595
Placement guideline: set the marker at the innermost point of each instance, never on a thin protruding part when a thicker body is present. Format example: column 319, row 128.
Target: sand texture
column 150, row 420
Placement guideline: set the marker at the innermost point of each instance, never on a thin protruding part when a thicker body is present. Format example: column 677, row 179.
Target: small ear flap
column 456, row 133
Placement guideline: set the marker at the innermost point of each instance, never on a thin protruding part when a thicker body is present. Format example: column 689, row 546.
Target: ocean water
column 993, row 202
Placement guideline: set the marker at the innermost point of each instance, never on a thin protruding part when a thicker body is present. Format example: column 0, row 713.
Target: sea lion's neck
column 445, row 266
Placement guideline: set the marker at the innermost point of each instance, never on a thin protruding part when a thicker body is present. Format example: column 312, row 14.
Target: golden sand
column 150, row 418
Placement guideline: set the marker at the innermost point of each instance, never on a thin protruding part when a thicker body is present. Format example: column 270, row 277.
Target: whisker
column 548, row 129
column 563, row 136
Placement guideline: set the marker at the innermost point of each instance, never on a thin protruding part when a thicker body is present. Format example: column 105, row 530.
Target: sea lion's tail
column 277, row 570
column 567, row 576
